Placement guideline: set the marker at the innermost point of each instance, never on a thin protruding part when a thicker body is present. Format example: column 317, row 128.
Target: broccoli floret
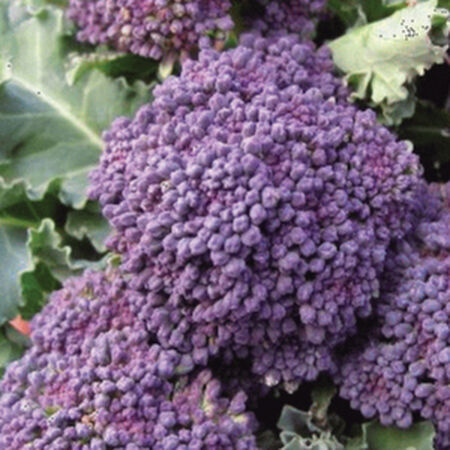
column 151, row 28
column 118, row 389
column 404, row 366
column 84, row 308
column 289, row 16
column 253, row 206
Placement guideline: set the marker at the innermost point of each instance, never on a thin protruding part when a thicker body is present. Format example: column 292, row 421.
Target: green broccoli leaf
column 50, row 129
column 315, row 429
column 11, row 346
column 299, row 433
column 15, row 260
column 51, row 120
column 89, row 223
column 349, row 11
column 52, row 263
column 381, row 59
column 419, row 437
column 45, row 246
column 34, row 258
column 429, row 129
column 17, row 216
column 111, row 63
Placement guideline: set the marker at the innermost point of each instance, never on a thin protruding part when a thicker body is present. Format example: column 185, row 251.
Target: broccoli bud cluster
column 117, row 389
column 289, row 16
column 404, row 367
column 254, row 206
column 150, row 28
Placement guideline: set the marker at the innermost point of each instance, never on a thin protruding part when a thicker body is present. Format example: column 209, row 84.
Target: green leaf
column 429, row 129
column 381, row 59
column 349, row 11
column 419, row 437
column 89, row 223
column 379, row 9
column 11, row 346
column 111, row 63
column 36, row 285
column 52, row 264
column 15, row 260
column 45, row 246
column 34, row 260
column 298, row 431
column 17, row 216
column 50, row 130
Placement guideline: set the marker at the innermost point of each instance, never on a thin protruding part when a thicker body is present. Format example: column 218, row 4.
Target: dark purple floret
column 85, row 307
column 290, row 16
column 404, row 368
column 117, row 397
column 150, row 28
column 254, row 206
column 117, row 389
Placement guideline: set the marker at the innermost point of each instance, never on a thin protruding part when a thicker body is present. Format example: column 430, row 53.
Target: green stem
column 14, row 222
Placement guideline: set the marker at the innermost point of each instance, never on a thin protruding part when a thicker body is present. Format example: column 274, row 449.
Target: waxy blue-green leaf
column 50, row 129
column 418, row 437
column 18, row 215
column 89, row 223
column 382, row 58
column 50, row 139
column 34, row 258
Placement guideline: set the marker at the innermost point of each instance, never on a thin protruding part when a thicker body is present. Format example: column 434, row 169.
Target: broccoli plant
column 199, row 225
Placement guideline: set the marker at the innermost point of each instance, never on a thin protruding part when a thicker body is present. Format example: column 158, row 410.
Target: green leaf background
column 56, row 99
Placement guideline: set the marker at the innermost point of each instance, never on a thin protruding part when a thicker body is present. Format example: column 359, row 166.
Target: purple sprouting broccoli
column 403, row 368
column 253, row 206
column 149, row 28
column 116, row 398
column 85, row 307
column 289, row 16
column 118, row 389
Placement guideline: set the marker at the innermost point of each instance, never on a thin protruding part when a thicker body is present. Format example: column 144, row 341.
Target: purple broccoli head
column 254, row 206
column 117, row 389
column 150, row 28
column 85, row 307
column 404, row 367
column 291, row 16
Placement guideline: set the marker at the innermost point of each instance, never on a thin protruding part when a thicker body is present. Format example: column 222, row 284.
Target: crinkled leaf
column 112, row 63
column 35, row 285
column 89, row 223
column 296, row 421
column 17, row 215
column 381, row 58
column 45, row 246
column 34, row 259
column 48, row 129
column 298, row 430
column 419, row 437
